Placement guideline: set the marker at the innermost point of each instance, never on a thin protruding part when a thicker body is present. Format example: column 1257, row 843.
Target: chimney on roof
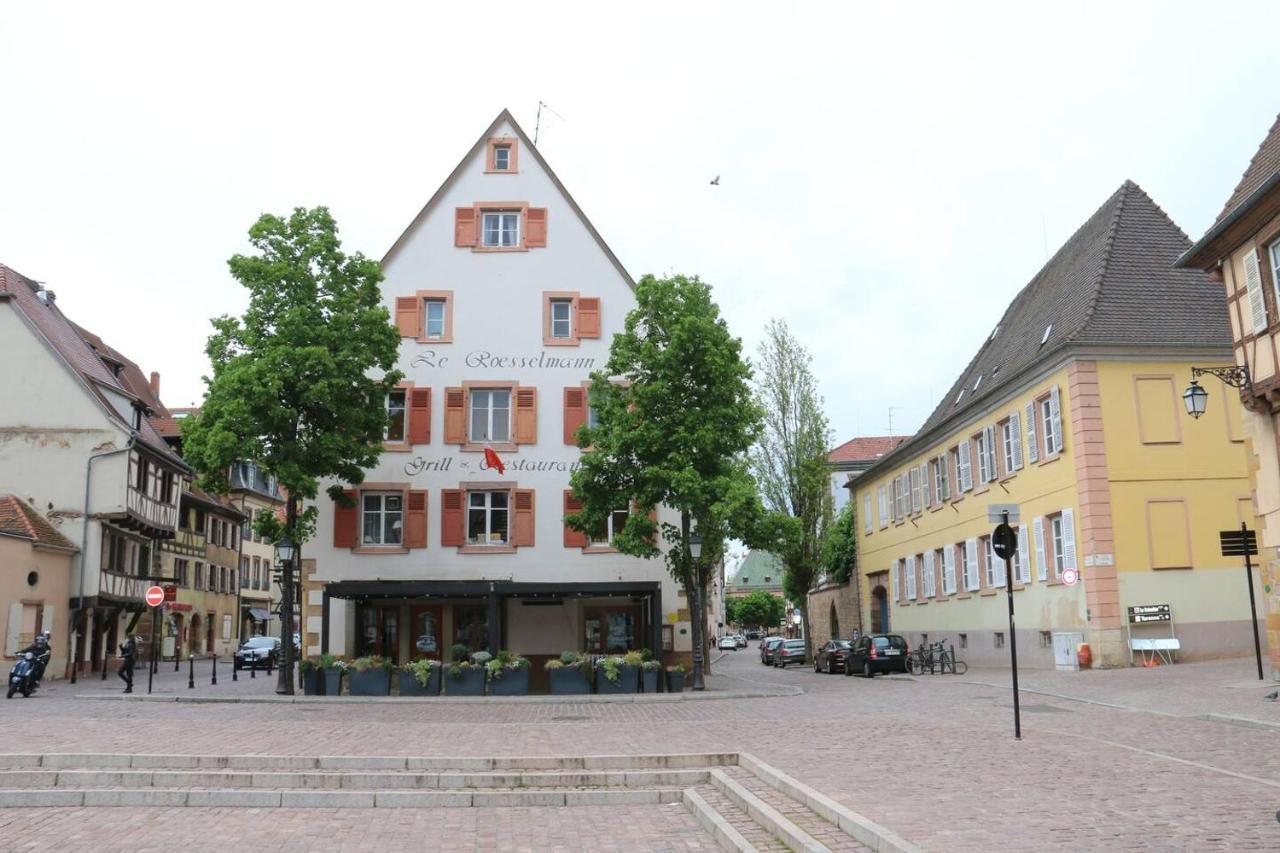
column 155, row 384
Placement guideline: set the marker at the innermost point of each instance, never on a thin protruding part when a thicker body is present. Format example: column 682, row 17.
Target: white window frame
column 883, row 507
column 502, row 158
column 1057, row 541
column 403, row 409
column 390, row 522
column 913, row 477
column 989, row 555
column 490, row 411
column 866, row 513
column 561, row 327
column 910, row 564
column 964, row 465
column 612, row 528
column 1009, row 434
column 490, row 511
column 948, row 569
column 944, row 469
column 1274, row 252
column 971, row 580
column 984, row 457
column 429, row 305
column 505, row 229
column 927, row 575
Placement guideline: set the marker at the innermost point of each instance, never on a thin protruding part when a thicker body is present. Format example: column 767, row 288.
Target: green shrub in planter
column 613, row 675
column 334, row 668
column 649, row 676
column 370, row 676
column 420, row 678
column 465, row 677
column 570, row 675
column 312, row 677
column 675, row 679
column 508, row 674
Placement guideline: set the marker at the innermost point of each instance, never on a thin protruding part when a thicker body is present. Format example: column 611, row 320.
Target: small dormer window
column 501, row 158
column 137, row 417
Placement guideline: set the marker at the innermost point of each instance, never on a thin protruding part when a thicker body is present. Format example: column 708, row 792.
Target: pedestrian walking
column 128, row 650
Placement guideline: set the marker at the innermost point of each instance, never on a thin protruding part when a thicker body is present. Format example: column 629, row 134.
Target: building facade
column 1071, row 410
column 78, row 444
column 506, row 298
column 1241, row 251
column 253, row 491
column 35, row 584
column 853, row 457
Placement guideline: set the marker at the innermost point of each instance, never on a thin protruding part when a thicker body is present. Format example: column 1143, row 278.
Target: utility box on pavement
column 1065, row 644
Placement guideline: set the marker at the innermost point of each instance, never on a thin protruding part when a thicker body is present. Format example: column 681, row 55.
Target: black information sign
column 1150, row 613
column 1238, row 543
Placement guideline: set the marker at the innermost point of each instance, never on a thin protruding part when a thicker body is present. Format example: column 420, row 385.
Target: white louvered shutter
column 980, row 447
column 883, row 507
column 911, row 578
column 944, row 468
column 930, row 588
column 1024, row 558
column 893, row 581
column 1000, row 570
column 13, row 629
column 1068, row 539
column 914, row 475
column 866, row 513
column 1033, row 446
column 1041, row 566
column 965, row 469
column 926, row 487
column 949, row 570
column 971, row 564
column 1055, row 413
column 1015, row 436
column 1253, row 284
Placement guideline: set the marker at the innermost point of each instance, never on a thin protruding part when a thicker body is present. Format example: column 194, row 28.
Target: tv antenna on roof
column 537, row 125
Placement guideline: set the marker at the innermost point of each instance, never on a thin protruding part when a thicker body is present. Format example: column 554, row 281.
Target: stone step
column 732, row 828
column 121, row 761
column 774, row 822
column 817, row 827
column 346, row 779
column 275, row 798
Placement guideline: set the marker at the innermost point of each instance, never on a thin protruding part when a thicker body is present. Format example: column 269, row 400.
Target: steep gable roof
column 866, row 448
column 528, row 147
column 754, row 568
column 17, row 518
column 68, row 342
column 1111, row 285
column 1264, row 166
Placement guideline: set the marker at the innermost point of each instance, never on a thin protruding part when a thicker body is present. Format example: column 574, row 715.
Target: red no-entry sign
column 155, row 596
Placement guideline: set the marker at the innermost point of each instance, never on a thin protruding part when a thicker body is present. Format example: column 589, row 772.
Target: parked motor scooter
column 23, row 675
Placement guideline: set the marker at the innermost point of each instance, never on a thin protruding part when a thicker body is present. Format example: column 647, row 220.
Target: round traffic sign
column 155, row 596
column 1070, row 576
column 1004, row 542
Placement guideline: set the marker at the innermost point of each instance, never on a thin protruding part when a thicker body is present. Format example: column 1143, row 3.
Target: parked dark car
column 791, row 651
column 767, row 645
column 753, row 635
column 831, row 657
column 877, row 653
column 258, row 652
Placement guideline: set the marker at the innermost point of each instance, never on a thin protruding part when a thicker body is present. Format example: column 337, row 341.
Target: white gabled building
column 506, row 298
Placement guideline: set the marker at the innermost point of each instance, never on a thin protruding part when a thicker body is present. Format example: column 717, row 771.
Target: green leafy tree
column 840, row 557
column 675, row 419
column 731, row 611
column 298, row 381
column 790, row 464
column 762, row 609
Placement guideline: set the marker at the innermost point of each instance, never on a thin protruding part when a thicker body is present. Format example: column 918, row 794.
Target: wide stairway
column 743, row 803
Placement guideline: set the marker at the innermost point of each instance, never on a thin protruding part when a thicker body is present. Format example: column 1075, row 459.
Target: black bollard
column 214, row 682
column 191, row 675
column 269, row 667
column 234, row 668
column 253, row 668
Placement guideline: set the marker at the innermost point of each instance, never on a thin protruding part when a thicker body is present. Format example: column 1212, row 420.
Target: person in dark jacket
column 41, row 650
column 128, row 651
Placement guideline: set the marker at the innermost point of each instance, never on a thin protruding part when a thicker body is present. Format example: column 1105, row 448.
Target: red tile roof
column 20, row 519
column 1265, row 163
column 867, row 448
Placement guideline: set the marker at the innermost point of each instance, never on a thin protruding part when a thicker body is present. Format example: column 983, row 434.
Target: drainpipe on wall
column 84, row 550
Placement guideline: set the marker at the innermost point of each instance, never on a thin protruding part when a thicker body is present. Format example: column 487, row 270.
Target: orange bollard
column 1085, row 655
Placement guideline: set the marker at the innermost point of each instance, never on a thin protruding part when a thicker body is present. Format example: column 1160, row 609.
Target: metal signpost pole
column 155, row 628
column 1253, row 605
column 1005, row 544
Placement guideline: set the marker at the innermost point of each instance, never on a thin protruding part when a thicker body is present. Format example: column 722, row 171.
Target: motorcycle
column 23, row 675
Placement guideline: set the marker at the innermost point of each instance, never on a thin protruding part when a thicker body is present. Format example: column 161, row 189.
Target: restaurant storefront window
column 471, row 626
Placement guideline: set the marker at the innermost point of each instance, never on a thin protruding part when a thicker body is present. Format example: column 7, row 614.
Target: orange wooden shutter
column 535, row 228
column 415, row 528
column 419, row 415
column 573, row 538
column 346, row 522
column 523, row 533
column 408, row 316
column 452, row 516
column 575, row 411
column 526, row 415
column 588, row 316
column 455, row 416
column 464, row 226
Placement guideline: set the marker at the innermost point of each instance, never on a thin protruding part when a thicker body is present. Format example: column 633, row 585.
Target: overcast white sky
column 891, row 173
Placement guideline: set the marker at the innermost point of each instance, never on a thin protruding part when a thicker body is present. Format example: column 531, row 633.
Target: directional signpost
column 1244, row 543
column 1005, row 543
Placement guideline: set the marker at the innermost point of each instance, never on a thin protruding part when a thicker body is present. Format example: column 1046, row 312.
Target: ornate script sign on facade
column 483, row 358
column 475, row 462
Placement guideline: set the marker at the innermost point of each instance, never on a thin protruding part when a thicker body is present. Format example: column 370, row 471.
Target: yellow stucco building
column 1071, row 410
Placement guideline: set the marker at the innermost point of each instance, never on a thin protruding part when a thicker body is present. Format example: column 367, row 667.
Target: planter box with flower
column 465, row 676
column 333, row 668
column 570, row 674
column 420, row 678
column 675, row 679
column 508, row 674
column 617, row 674
column 650, row 670
column 312, row 677
column 370, row 676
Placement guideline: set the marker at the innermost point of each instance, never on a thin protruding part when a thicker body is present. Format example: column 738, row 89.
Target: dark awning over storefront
column 259, row 614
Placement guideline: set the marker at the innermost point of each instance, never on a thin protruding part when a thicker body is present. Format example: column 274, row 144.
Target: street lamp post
column 694, row 551
column 285, row 551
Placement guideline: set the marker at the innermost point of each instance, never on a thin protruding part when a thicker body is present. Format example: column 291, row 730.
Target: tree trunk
column 808, row 635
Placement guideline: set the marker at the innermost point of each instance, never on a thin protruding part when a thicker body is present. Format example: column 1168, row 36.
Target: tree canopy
column 674, row 420
column 840, row 556
column 760, row 609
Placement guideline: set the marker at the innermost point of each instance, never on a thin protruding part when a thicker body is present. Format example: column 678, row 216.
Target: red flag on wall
column 492, row 459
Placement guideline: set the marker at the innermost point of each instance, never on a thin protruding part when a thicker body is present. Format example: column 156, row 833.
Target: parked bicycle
column 937, row 658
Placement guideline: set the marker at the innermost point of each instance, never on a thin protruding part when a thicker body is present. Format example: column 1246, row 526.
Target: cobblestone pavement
column 932, row 758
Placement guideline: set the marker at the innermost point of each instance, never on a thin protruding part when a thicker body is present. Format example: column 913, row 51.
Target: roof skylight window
column 977, row 382
column 1045, row 336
